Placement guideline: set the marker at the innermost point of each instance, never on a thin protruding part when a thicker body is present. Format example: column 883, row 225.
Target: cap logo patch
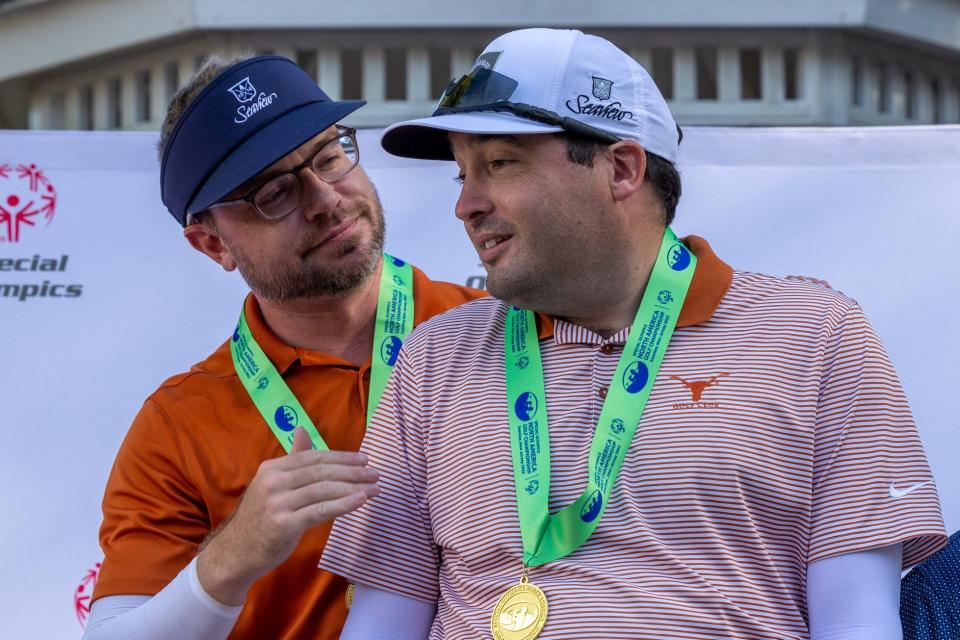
column 244, row 91
column 601, row 88
column 611, row 111
column 601, row 91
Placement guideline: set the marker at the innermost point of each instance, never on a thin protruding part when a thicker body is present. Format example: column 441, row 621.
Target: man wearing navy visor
column 222, row 494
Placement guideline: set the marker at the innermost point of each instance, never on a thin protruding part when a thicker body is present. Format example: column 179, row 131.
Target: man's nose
column 319, row 198
column 474, row 201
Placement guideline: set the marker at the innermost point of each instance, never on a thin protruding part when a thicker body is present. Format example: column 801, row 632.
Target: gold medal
column 520, row 613
column 348, row 597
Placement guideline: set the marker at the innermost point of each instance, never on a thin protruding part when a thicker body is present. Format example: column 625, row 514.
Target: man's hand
column 287, row 496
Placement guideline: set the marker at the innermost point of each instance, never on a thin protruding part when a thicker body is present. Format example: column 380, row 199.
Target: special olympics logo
column 521, row 615
column 26, row 196
column 678, row 257
column 390, row 349
column 526, row 406
column 592, row 506
column 286, row 418
column 532, row 487
column 83, row 593
column 244, row 91
column 665, row 297
column 635, row 377
column 617, row 426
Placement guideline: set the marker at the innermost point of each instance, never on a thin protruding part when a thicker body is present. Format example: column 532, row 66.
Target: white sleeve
column 182, row 610
column 856, row 596
column 381, row 615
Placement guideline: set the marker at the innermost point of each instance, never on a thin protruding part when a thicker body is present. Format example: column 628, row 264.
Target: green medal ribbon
column 273, row 398
column 549, row 537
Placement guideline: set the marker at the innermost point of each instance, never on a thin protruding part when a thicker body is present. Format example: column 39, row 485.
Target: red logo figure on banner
column 26, row 197
column 81, row 597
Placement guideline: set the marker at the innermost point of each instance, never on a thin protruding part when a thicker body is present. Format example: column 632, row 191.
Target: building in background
column 113, row 64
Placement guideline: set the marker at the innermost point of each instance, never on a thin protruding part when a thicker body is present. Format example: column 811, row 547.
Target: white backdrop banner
column 101, row 298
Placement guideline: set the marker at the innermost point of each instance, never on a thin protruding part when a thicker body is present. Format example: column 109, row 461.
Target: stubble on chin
column 518, row 288
column 298, row 276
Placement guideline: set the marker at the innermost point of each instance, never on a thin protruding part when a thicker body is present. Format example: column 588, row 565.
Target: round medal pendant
column 520, row 613
column 348, row 596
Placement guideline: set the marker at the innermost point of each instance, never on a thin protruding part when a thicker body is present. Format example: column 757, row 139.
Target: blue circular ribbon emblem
column 390, row 349
column 286, row 418
column 678, row 257
column 635, row 377
column 526, row 406
column 591, row 508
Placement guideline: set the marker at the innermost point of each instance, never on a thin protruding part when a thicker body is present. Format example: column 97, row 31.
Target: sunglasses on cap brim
column 483, row 89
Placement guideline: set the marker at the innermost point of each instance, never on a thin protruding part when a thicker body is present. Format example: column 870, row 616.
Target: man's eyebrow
column 474, row 139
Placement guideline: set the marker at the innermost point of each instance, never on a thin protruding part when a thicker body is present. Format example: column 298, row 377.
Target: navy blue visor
column 243, row 121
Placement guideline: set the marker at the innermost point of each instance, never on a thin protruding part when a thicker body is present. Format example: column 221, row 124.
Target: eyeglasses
column 282, row 194
column 486, row 90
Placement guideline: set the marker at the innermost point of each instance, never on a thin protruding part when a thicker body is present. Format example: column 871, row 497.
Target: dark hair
column 661, row 173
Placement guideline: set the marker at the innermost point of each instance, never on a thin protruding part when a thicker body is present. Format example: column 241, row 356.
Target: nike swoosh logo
column 899, row 493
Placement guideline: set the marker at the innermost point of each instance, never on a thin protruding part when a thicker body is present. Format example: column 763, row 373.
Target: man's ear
column 208, row 242
column 629, row 166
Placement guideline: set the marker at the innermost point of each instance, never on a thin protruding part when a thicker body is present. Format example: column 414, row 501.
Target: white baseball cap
column 545, row 81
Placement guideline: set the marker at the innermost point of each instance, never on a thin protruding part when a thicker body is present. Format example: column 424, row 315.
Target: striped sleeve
column 388, row 542
column 872, row 486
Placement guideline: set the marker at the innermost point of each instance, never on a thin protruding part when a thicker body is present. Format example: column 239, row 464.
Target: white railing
column 798, row 83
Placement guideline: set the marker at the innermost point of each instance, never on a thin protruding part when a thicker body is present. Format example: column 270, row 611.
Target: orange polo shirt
column 194, row 447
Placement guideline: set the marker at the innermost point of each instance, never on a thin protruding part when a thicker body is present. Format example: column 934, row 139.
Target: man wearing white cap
column 635, row 440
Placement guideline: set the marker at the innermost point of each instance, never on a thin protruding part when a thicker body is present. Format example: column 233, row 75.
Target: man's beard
column 281, row 282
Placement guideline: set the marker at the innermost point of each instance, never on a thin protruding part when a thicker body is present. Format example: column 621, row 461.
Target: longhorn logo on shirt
column 592, row 506
column 697, row 387
column 286, row 418
column 26, row 198
column 526, row 406
column 390, row 349
column 635, row 377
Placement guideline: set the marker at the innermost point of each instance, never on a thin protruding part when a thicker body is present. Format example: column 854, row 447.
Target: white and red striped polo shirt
column 776, row 434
